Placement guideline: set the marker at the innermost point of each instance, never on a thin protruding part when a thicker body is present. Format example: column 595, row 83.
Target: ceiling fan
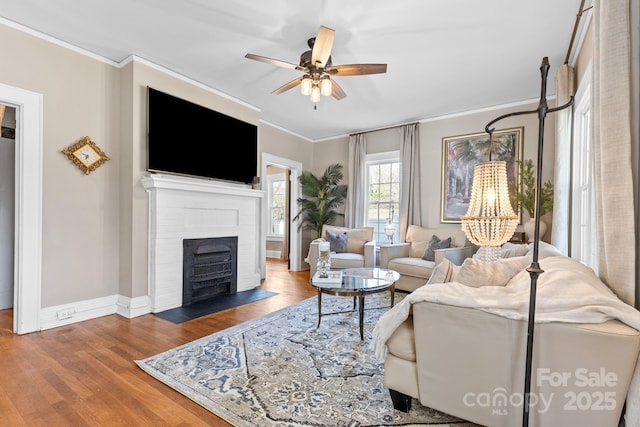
column 318, row 69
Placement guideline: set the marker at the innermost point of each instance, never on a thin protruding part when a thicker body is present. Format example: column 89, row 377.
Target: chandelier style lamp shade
column 490, row 220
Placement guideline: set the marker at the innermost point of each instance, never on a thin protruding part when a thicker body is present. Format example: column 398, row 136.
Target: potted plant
column 525, row 196
column 322, row 197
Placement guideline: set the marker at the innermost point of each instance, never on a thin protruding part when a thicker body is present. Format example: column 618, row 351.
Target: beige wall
column 80, row 213
column 585, row 55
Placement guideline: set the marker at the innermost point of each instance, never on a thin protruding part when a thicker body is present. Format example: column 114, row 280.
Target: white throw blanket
column 567, row 292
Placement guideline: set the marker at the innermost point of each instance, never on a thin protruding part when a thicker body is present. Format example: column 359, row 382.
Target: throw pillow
column 337, row 242
column 476, row 273
column 444, row 272
column 510, row 250
column 435, row 243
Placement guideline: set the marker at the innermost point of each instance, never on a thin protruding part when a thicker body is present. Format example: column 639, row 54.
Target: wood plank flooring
column 84, row 375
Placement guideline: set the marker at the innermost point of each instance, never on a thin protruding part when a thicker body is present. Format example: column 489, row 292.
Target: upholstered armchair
column 358, row 248
column 416, row 258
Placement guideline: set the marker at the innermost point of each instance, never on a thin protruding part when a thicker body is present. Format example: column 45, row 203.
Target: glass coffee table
column 356, row 283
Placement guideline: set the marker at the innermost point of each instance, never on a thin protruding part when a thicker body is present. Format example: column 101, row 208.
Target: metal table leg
column 319, row 307
column 361, row 314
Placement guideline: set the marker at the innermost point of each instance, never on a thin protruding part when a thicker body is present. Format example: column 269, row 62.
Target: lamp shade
column 315, row 94
column 389, row 229
column 490, row 220
column 325, row 86
column 305, row 86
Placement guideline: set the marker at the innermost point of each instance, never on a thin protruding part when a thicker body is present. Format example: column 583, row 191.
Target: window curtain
column 560, row 228
column 355, row 207
column 410, row 205
column 284, row 252
column 612, row 148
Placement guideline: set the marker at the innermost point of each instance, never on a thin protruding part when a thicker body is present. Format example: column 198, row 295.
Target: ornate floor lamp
column 534, row 269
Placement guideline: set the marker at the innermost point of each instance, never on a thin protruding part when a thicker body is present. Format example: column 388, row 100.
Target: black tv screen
column 189, row 139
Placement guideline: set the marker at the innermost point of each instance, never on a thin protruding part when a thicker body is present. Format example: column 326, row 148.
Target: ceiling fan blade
column 357, row 69
column 275, row 62
column 336, row 91
column 285, row 87
column 322, row 47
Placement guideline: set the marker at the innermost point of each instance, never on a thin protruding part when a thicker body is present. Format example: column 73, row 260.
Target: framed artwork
column 459, row 156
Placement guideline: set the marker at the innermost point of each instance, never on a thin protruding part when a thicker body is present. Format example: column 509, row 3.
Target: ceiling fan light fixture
column 317, row 68
column 305, row 86
column 315, row 94
column 325, row 86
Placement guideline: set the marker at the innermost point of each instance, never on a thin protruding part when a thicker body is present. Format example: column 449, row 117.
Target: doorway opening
column 291, row 237
column 27, row 246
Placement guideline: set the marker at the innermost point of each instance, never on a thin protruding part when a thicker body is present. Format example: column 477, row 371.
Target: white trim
column 28, row 207
column 133, row 307
column 584, row 246
column 385, row 157
column 295, row 258
column 65, row 314
column 270, row 178
column 167, row 71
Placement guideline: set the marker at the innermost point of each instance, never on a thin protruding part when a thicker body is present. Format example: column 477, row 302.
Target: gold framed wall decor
column 86, row 155
column 459, row 156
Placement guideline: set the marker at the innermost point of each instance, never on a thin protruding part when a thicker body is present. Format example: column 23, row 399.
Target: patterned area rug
column 281, row 370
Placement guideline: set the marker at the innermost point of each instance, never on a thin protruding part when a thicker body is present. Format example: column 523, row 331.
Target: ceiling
column 444, row 56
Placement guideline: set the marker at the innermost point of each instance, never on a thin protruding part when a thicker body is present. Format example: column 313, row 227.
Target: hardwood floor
column 84, row 375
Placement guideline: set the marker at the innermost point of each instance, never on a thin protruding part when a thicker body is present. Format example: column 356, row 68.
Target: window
column 383, row 195
column 277, row 200
column 584, row 246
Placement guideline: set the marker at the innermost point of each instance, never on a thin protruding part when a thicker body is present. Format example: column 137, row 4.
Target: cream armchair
column 407, row 258
column 360, row 249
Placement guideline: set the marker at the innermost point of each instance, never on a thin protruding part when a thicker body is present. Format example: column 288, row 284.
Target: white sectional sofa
column 460, row 347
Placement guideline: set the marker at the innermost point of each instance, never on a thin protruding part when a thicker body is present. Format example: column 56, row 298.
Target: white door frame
column 27, row 270
column 295, row 237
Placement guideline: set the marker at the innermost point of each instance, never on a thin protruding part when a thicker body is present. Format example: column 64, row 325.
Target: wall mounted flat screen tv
column 188, row 139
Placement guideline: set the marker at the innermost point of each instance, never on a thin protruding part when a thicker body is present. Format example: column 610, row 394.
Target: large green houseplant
column 321, row 198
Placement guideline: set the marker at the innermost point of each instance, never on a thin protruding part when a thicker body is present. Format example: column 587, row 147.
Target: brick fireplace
column 182, row 208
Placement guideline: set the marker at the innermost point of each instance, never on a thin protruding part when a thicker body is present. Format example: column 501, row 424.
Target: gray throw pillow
column 337, row 242
column 435, row 243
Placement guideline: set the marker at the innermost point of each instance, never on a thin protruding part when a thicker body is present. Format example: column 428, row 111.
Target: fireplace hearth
column 209, row 268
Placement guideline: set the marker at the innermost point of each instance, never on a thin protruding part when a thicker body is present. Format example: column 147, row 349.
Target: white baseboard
column 133, row 307
column 66, row 314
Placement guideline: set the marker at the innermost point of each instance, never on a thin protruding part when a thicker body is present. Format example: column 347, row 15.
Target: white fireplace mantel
column 190, row 208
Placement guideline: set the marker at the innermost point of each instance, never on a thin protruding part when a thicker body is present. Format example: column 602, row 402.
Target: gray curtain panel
column 355, row 206
column 410, row 205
